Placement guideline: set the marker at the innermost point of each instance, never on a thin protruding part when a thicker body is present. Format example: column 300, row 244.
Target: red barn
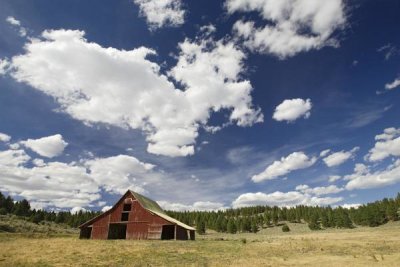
column 135, row 216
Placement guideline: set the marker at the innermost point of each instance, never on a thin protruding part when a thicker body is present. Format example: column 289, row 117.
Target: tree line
column 22, row 208
column 252, row 219
column 246, row 219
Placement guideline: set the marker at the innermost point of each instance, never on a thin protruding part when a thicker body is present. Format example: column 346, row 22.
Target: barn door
column 154, row 231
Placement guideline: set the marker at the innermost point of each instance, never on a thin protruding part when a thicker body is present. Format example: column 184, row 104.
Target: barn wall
column 100, row 228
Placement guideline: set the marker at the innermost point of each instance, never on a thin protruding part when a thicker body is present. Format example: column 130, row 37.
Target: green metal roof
column 152, row 206
column 147, row 203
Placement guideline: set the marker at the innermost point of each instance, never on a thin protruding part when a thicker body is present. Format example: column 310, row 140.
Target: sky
column 199, row 105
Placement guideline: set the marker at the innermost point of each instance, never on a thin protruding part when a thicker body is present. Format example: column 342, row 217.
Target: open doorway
column 117, row 231
column 86, row 233
column 168, row 232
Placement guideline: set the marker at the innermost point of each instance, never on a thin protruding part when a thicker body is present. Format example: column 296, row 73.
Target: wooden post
column 175, row 231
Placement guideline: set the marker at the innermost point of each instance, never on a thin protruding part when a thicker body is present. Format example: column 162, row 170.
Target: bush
column 285, row 228
column 6, row 228
column 243, row 240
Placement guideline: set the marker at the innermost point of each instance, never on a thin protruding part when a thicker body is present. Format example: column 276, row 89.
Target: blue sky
column 199, row 104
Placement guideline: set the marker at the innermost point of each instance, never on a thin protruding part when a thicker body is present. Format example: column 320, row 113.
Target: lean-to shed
column 135, row 216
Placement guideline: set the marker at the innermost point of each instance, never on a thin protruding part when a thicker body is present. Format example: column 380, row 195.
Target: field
column 362, row 246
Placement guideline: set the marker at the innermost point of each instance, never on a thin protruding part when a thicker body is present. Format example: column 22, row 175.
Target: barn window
column 127, row 207
column 124, row 217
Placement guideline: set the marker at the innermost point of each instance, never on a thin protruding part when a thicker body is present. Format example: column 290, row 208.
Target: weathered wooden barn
column 135, row 216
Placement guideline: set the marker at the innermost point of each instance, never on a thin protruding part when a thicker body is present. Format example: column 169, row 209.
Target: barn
column 135, row 216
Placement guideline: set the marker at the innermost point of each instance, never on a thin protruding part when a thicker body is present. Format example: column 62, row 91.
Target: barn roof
column 149, row 205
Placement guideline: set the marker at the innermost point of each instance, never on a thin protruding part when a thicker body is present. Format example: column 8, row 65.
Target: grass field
column 270, row 247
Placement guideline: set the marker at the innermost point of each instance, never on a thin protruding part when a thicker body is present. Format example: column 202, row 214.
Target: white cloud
column 4, row 137
column 123, row 88
column 71, row 185
column 76, row 210
column 318, row 191
column 55, row 184
column 324, row 152
column 14, row 146
column 196, row 206
column 352, row 205
column 291, row 198
column 389, row 50
column 159, row 13
column 364, row 178
column 388, row 144
column 50, row 146
column 295, row 161
column 38, row 162
column 13, row 21
column 393, row 85
column 291, row 26
column 13, row 158
column 208, row 29
column 106, row 208
column 334, row 178
column 292, row 109
column 340, row 157
column 119, row 173
column 4, row 65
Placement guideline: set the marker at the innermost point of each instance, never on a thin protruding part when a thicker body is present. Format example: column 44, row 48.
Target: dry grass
column 357, row 247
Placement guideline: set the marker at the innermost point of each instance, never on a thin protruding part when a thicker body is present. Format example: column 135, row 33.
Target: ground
column 362, row 246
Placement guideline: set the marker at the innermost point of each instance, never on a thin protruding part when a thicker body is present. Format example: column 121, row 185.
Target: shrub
column 243, row 240
column 285, row 228
column 6, row 228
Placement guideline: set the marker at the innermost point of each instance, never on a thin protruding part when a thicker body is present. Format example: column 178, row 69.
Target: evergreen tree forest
column 22, row 208
column 252, row 219
column 247, row 219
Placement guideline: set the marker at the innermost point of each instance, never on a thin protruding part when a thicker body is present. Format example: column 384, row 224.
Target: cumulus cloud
column 387, row 144
column 291, row 26
column 340, row 157
column 106, row 208
column 364, row 178
column 318, row 191
column 117, row 174
column 352, row 205
column 13, row 158
column 50, row 146
column 292, row 109
column 4, row 137
column 94, row 84
column 196, row 206
column 324, row 152
column 393, row 85
column 13, row 21
column 160, row 13
column 291, row 198
column 334, row 178
column 294, row 161
column 76, row 210
column 4, row 65
column 69, row 185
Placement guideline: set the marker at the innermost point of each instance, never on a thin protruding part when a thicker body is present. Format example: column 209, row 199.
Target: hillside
column 15, row 224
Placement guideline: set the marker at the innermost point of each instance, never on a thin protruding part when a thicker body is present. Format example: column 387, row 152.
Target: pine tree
column 200, row 227
column 231, row 227
column 313, row 224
